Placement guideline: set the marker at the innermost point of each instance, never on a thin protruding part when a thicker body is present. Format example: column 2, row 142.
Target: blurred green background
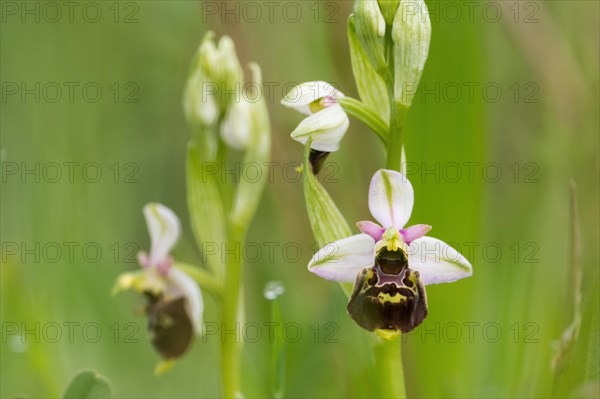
column 493, row 335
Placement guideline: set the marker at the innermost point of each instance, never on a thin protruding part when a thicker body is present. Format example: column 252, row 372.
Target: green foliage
column 88, row 385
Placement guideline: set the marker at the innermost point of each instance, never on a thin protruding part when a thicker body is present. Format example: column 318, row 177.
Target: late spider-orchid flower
column 390, row 263
column 175, row 305
column 327, row 122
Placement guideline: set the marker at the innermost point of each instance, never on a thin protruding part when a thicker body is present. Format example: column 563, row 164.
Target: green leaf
column 570, row 335
column 88, row 384
column 370, row 85
column 249, row 191
column 326, row 220
column 204, row 203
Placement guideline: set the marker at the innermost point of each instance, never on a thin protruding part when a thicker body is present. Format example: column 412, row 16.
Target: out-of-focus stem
column 232, row 310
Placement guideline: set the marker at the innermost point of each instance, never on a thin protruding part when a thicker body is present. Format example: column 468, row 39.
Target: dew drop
column 273, row 289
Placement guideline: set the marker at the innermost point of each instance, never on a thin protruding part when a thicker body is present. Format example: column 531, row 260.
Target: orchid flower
column 175, row 303
column 390, row 263
column 327, row 122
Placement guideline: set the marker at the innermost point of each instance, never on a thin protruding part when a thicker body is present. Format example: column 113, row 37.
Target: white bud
column 411, row 34
column 199, row 104
column 235, row 129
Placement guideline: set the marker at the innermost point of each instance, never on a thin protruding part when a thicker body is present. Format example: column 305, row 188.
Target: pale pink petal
column 413, row 232
column 372, row 229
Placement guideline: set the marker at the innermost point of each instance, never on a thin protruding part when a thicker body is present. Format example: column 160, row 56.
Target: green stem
column 388, row 361
column 388, row 353
column 230, row 347
column 394, row 147
column 360, row 111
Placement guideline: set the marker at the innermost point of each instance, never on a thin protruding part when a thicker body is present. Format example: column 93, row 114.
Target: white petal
column 302, row 95
column 343, row 259
column 182, row 285
column 391, row 198
column 235, row 130
column 164, row 229
column 437, row 262
column 327, row 127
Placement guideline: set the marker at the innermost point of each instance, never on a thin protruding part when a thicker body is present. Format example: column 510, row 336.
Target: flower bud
column 216, row 75
column 370, row 28
column 208, row 56
column 411, row 33
column 230, row 70
column 199, row 103
column 370, row 85
column 220, row 63
column 257, row 150
column 235, row 129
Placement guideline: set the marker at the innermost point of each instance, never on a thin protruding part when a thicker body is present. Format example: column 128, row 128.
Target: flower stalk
column 358, row 110
column 395, row 143
column 388, row 365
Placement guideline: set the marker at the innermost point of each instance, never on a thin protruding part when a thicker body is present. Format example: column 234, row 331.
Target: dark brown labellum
column 171, row 330
column 391, row 262
column 317, row 159
column 383, row 301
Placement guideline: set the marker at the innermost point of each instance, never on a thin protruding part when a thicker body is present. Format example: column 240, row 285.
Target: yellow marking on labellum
column 412, row 277
column 396, row 298
column 367, row 275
